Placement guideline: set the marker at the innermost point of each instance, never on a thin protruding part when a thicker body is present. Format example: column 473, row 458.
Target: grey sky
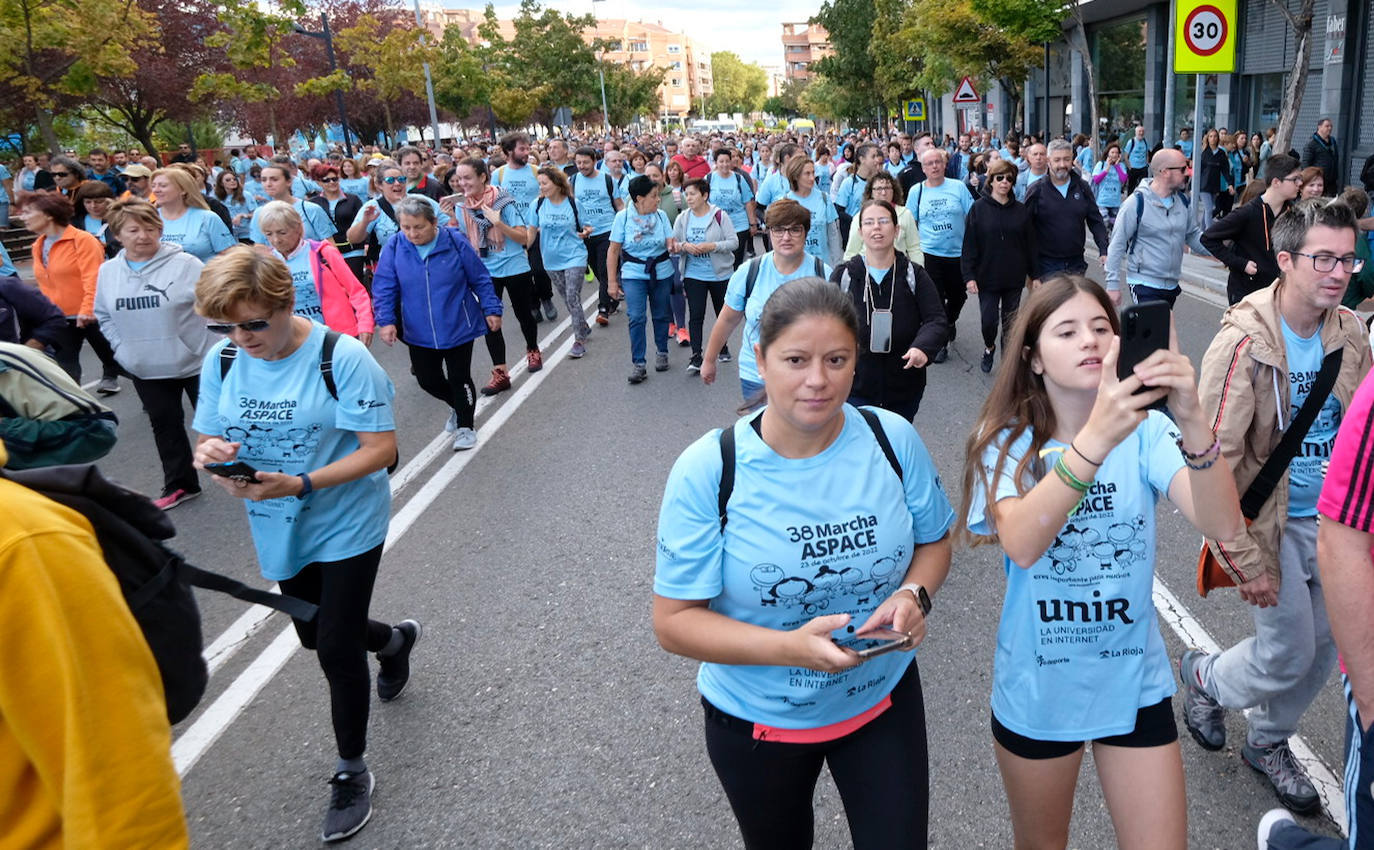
column 753, row 30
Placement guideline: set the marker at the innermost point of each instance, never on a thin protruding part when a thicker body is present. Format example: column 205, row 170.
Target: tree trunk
column 1297, row 78
column 43, row 118
column 1078, row 38
column 1013, row 102
column 272, row 123
column 390, row 130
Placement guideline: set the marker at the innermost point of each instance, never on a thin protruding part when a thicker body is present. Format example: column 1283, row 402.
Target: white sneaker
column 464, row 439
column 452, row 424
column 1267, row 824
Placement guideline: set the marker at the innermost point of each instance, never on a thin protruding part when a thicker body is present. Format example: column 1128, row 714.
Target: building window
column 639, row 47
column 675, row 82
column 674, row 48
column 675, row 66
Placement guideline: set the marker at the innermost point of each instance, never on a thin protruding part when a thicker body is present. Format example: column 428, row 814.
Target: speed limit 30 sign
column 1205, row 37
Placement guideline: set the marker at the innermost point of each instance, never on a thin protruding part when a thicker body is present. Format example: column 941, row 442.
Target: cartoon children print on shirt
column 814, row 592
column 282, row 444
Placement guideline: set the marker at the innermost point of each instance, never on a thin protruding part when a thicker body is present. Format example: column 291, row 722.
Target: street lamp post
column 328, row 39
column 601, row 69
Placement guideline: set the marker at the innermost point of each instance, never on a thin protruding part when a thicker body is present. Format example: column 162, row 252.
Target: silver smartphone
column 877, row 643
column 880, row 332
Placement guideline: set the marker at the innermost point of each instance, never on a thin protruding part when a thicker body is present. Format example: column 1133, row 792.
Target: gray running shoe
column 464, row 439
column 350, row 805
column 638, row 374
column 395, row 668
column 578, row 349
column 661, row 362
column 107, row 386
column 1287, row 776
column 1204, row 716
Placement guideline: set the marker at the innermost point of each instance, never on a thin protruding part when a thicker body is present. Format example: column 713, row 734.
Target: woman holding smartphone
column 321, row 501
column 1063, row 470
column 744, row 570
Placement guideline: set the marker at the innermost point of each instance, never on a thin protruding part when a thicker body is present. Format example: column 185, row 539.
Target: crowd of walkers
column 254, row 288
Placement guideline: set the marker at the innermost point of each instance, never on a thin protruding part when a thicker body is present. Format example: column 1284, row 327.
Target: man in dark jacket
column 1060, row 206
column 1321, row 151
column 1242, row 239
column 27, row 316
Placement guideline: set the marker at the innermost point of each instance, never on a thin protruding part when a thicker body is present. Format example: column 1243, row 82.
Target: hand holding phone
column 1144, row 330
column 877, row 642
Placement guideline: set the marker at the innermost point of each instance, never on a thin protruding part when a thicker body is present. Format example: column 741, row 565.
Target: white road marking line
column 1192, row 633
column 193, row 743
column 234, row 638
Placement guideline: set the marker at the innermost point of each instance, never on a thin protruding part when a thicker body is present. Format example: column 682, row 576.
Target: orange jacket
column 68, row 278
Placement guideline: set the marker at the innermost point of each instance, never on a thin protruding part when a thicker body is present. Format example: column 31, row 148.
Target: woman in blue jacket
column 446, row 302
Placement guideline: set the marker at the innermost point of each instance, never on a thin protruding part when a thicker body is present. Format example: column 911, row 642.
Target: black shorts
column 1154, row 727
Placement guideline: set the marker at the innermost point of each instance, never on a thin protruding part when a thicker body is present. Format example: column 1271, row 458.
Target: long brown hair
column 1018, row 402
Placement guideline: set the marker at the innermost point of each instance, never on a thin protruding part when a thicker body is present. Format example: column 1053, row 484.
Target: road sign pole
column 1197, row 143
column 1169, row 79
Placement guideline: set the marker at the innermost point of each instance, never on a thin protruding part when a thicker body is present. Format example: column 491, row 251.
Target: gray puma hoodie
column 149, row 316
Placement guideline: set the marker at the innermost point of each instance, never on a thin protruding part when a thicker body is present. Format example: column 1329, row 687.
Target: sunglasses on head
column 252, row 326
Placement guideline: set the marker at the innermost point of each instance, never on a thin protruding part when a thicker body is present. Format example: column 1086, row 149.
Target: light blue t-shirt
column 383, row 225
column 241, row 230
column 771, row 188
column 731, row 194
column 1137, row 152
column 307, row 296
column 594, row 205
column 287, row 422
column 355, row 186
column 823, row 176
column 317, row 223
column 7, row 268
column 199, row 232
column 645, row 237
column 1305, row 472
column 303, row 186
column 511, row 259
column 1078, row 648
column 521, row 183
column 765, row 285
column 806, row 537
column 424, row 250
column 1085, row 160
column 4, row 175
column 1110, row 189
column 1063, row 190
column 939, row 212
column 851, row 194
column 698, row 267
column 97, row 228
column 559, row 245
column 822, row 213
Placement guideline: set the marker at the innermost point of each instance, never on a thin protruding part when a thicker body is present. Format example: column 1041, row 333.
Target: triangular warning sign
column 966, row 93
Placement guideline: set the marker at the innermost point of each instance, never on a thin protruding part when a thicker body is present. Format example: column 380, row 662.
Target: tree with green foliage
column 852, row 68
column 547, row 54
column 737, row 86
column 787, row 102
column 631, row 94
column 52, row 52
column 251, row 38
column 463, row 82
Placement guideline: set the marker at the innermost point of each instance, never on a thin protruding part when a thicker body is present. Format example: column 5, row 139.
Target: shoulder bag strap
column 727, row 473
column 883, row 443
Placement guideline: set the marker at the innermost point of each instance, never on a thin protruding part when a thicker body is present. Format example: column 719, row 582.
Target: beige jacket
column 1244, row 386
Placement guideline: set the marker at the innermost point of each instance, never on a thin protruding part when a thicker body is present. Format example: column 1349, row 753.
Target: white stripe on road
column 236, row 636
column 193, row 743
column 1191, row 632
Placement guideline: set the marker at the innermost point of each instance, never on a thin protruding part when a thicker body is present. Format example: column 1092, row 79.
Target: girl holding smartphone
column 1063, row 470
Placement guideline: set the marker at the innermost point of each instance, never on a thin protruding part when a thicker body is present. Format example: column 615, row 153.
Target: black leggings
column 454, row 388
column 68, row 350
column 161, row 399
column 521, row 289
column 949, row 282
column 697, row 290
column 744, row 240
column 881, row 771
column 543, row 284
column 997, row 308
column 597, row 246
column 342, row 636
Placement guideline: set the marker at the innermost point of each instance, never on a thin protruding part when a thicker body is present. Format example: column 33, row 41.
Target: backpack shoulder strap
column 751, row 276
column 727, row 473
column 610, row 187
column 1139, row 211
column 331, row 339
column 883, row 443
column 226, row 359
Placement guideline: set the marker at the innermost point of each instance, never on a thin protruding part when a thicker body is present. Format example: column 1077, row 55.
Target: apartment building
column 802, row 44
column 638, row 44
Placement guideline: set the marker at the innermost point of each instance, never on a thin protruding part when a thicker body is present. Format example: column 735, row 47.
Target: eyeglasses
column 882, row 188
column 329, row 180
column 252, row 326
column 794, row 230
column 62, row 174
column 132, row 179
column 1294, row 178
column 874, row 222
column 1000, row 178
column 1327, row 263
column 393, row 180
column 1179, row 168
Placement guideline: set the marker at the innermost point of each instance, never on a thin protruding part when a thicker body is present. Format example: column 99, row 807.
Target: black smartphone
column 1144, row 330
column 236, row 470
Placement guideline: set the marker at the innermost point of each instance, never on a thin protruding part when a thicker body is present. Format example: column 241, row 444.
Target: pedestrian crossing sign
column 914, row 109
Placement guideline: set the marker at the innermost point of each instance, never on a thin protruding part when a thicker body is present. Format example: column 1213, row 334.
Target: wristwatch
column 922, row 598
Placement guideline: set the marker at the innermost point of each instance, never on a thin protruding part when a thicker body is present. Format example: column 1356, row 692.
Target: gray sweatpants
column 568, row 283
column 1279, row 671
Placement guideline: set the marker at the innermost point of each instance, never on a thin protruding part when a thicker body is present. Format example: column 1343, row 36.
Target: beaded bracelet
column 1195, row 461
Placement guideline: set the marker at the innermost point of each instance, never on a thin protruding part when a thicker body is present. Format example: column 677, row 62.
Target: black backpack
column 155, row 581
column 752, row 276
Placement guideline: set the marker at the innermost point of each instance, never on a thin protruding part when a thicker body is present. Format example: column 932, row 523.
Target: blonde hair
column 242, row 275
column 186, row 182
column 134, row 209
column 275, row 213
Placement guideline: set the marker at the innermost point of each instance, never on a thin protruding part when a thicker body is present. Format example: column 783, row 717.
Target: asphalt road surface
column 541, row 712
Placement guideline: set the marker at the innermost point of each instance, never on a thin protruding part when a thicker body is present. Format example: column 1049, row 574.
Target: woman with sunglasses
column 343, row 209
column 998, row 255
column 376, row 223
column 145, row 304
column 276, row 184
column 884, row 187
column 320, row 500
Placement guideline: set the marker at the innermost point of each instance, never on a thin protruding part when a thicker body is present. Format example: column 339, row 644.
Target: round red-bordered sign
column 1205, row 30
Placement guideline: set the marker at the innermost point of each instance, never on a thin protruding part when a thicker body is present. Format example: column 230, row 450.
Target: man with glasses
column 754, row 282
column 1243, row 240
column 1256, row 376
column 1151, row 230
column 139, row 181
column 183, row 153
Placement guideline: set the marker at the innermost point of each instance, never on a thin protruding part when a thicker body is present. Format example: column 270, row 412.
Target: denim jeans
column 641, row 296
